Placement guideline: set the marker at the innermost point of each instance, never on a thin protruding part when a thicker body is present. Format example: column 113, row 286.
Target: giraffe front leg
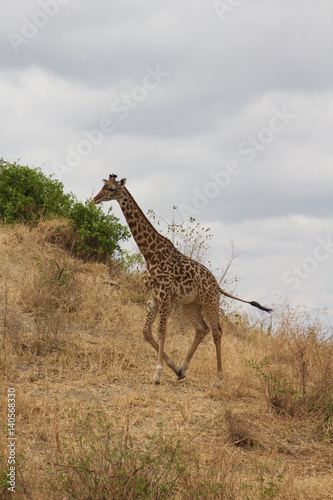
column 164, row 312
column 157, row 374
column 159, row 367
column 147, row 334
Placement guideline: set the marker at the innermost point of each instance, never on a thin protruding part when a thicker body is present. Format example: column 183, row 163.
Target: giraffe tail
column 252, row 303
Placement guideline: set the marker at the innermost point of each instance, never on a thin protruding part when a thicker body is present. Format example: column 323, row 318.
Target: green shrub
column 99, row 233
column 26, row 195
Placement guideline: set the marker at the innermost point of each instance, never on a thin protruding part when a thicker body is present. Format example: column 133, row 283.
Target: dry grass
column 91, row 424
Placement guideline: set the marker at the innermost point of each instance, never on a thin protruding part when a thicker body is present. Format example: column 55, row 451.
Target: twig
column 75, row 467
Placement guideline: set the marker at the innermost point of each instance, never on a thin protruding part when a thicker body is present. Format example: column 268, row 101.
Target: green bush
column 27, row 196
column 99, row 233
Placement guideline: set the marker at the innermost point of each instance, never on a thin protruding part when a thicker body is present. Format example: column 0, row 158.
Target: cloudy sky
column 222, row 108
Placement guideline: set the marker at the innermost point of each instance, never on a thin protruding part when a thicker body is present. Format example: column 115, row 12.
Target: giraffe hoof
column 157, row 374
column 218, row 381
column 181, row 374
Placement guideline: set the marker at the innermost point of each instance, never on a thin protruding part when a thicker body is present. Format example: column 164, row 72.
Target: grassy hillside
column 90, row 424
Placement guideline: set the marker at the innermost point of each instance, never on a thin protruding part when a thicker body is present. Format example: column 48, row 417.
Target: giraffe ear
column 122, row 182
column 105, row 181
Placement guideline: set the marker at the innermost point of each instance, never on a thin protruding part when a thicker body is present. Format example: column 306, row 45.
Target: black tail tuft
column 255, row 304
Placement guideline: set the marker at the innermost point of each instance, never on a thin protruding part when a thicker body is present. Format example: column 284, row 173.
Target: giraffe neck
column 148, row 239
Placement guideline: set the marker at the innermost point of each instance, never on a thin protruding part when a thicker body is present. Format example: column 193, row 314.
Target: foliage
column 99, row 233
column 26, row 195
column 132, row 262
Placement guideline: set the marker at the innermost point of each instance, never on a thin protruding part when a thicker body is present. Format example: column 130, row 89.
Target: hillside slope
column 89, row 421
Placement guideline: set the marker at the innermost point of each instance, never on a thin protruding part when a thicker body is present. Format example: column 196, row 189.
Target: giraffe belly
column 187, row 298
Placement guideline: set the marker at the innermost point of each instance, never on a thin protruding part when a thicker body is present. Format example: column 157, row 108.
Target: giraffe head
column 112, row 190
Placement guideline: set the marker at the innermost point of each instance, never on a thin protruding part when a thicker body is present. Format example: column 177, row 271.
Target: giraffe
column 170, row 277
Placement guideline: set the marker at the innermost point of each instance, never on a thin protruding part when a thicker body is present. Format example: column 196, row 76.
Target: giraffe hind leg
column 211, row 312
column 194, row 313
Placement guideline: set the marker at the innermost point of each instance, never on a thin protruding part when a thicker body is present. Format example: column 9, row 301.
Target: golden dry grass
column 90, row 423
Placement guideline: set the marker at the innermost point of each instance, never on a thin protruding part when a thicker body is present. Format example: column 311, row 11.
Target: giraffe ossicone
column 171, row 277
